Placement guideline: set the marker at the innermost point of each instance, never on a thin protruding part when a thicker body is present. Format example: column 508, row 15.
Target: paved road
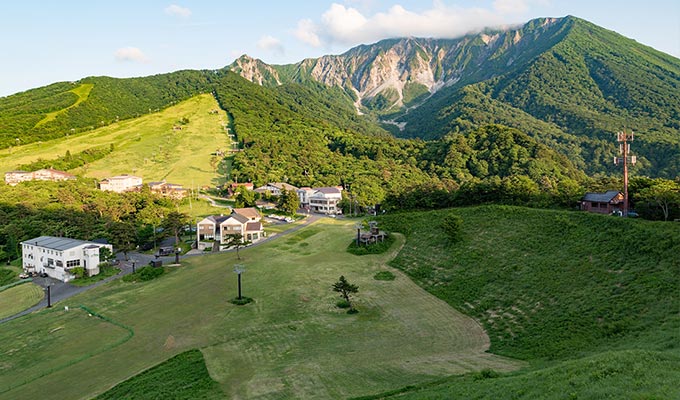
column 61, row 291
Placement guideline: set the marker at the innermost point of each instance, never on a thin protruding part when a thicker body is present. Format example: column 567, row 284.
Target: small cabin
column 608, row 202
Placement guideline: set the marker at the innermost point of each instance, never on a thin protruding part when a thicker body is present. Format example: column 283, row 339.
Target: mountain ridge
column 565, row 81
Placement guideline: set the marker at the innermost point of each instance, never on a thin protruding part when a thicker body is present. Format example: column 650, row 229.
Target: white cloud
column 270, row 43
column 131, row 54
column 306, row 31
column 346, row 25
column 178, row 11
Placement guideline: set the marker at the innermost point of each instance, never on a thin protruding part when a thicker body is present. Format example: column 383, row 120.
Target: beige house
column 166, row 189
column 48, row 174
column 217, row 227
column 120, row 183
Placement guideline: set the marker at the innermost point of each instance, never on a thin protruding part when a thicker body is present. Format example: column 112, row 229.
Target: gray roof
column 601, row 197
column 328, row 190
column 56, row 243
column 240, row 218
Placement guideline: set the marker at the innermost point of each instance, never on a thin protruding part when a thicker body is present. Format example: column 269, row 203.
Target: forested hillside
column 574, row 96
column 290, row 133
column 566, row 82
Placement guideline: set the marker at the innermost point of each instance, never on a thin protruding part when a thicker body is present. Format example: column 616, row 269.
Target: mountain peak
column 255, row 70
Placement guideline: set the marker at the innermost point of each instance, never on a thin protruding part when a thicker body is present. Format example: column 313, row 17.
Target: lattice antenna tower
column 624, row 138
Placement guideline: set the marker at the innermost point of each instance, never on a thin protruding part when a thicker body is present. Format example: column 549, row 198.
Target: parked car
column 23, row 275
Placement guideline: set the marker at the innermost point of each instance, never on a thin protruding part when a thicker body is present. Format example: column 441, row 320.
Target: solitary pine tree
column 235, row 240
column 345, row 289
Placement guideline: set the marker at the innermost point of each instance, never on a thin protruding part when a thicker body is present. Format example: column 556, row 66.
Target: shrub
column 486, row 373
column 78, row 272
column 384, row 276
column 343, row 304
column 144, row 274
column 242, row 301
column 451, row 225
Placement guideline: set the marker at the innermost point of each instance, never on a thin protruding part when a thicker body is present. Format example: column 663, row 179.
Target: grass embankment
column 551, row 286
column 19, row 298
column 292, row 342
column 181, row 377
column 147, row 146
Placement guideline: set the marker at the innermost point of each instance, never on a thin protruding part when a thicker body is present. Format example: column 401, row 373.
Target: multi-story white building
column 56, row 256
column 325, row 200
column 120, row 183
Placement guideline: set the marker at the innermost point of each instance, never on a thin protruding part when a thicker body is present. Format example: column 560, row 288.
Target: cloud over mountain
column 347, row 25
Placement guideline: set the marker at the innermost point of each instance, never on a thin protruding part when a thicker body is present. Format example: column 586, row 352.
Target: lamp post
column 133, row 265
column 358, row 226
column 177, row 251
column 49, row 295
column 239, row 269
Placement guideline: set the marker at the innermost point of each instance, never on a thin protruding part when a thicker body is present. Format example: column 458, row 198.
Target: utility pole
column 624, row 151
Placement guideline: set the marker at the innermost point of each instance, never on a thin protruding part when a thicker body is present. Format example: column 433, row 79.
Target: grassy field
column 53, row 340
column 19, row 298
column 292, row 342
column 146, row 146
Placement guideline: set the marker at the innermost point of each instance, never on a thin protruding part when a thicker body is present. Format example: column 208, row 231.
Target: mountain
column 565, row 81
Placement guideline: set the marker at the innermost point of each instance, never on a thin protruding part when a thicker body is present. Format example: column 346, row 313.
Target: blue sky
column 46, row 41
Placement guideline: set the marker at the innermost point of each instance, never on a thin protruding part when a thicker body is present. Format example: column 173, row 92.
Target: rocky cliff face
column 394, row 73
column 255, row 70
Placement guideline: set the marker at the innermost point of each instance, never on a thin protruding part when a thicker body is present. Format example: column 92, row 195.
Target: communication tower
column 626, row 159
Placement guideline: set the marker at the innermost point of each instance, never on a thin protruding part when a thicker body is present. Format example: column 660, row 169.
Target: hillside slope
column 147, row 146
column 62, row 108
column 589, row 300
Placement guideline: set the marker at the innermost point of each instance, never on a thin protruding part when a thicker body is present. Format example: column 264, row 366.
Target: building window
column 72, row 263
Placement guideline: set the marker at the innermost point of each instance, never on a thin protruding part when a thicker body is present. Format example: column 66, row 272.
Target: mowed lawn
column 147, row 146
column 19, row 298
column 292, row 342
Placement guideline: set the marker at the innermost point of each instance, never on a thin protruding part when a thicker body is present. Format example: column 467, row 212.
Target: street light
column 133, row 264
column 49, row 295
column 177, row 251
column 358, row 225
column 239, row 269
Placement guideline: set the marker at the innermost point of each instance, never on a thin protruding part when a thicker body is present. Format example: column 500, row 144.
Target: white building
column 304, row 193
column 56, row 256
column 120, row 183
column 325, row 200
column 48, row 174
